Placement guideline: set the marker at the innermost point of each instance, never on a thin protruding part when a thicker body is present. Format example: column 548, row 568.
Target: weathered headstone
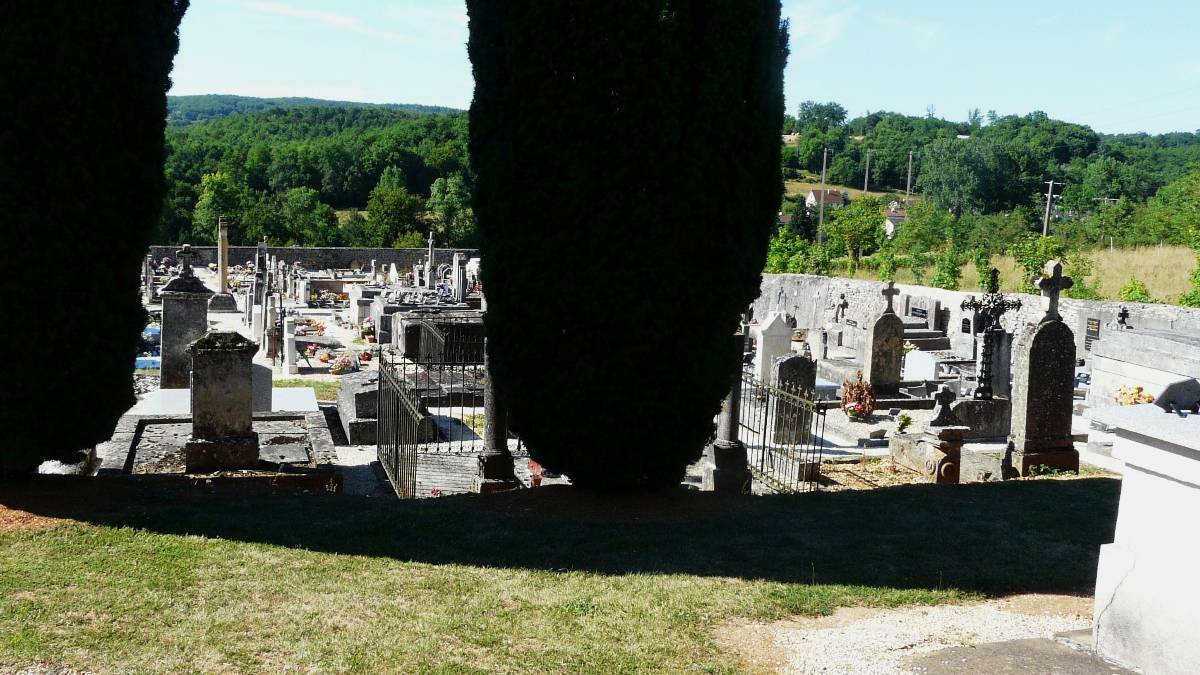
column 223, row 437
column 797, row 375
column 884, row 352
column 290, row 364
column 1043, row 390
column 185, row 319
column 935, row 452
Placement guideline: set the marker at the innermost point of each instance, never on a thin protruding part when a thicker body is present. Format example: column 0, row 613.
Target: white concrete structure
column 774, row 338
column 1147, row 612
column 1152, row 359
column 290, row 365
column 919, row 365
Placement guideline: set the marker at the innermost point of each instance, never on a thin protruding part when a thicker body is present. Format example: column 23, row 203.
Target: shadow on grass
column 999, row 538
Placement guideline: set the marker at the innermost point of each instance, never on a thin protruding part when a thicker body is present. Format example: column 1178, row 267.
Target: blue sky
column 1116, row 66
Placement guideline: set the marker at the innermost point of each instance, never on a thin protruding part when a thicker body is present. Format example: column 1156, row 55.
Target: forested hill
column 183, row 110
column 280, row 173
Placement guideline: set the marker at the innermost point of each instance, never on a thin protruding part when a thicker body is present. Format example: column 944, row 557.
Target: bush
column 667, row 115
column 948, row 270
column 82, row 147
column 1135, row 290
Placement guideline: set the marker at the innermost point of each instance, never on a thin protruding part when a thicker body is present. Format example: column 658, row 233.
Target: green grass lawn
column 145, row 578
column 326, row 390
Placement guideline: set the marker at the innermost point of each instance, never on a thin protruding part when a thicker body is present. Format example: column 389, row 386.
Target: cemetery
column 602, row 441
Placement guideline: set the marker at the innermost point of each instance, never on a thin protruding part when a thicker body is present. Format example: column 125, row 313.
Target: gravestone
column 458, row 278
column 185, row 319
column 989, row 309
column 1044, row 386
column 922, row 309
column 796, row 374
column 222, row 301
column 774, row 340
column 222, row 437
column 884, row 351
column 290, row 363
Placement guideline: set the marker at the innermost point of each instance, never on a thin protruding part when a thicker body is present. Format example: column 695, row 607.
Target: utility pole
column 1049, row 201
column 908, row 185
column 821, row 199
column 867, row 171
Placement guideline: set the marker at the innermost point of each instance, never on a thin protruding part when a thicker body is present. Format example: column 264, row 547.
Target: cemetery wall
column 812, row 300
column 322, row 258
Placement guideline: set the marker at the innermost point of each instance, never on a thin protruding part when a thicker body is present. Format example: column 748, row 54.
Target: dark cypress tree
column 83, row 93
column 628, row 164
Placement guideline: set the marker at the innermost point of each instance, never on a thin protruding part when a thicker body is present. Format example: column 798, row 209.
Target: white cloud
column 915, row 31
column 816, row 24
column 333, row 19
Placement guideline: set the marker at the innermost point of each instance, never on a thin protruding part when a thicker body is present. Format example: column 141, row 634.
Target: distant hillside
column 184, row 110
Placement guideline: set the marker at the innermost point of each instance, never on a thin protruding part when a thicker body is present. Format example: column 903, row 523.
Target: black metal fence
column 783, row 429
column 431, row 396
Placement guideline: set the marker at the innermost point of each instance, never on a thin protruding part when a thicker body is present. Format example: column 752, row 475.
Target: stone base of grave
column 1026, row 464
column 222, row 303
column 986, row 418
column 984, row 466
column 731, row 469
column 202, row 456
column 935, row 453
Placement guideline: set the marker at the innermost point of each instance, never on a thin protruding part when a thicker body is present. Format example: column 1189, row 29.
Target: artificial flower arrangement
column 324, row 355
column 342, row 364
column 858, row 398
column 1133, row 396
column 365, row 355
column 909, row 347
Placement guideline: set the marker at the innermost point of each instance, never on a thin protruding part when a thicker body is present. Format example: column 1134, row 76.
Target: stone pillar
column 223, row 437
column 731, row 468
column 458, row 278
column 185, row 319
column 1044, row 388
column 290, row 363
column 496, row 472
column 222, row 301
column 884, row 353
column 774, row 340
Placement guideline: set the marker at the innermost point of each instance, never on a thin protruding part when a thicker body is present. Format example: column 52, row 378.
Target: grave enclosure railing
column 783, row 429
column 431, row 397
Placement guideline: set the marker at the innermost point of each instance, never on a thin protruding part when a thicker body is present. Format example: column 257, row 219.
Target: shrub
column 667, row 115
column 1135, row 290
column 948, row 270
column 82, row 148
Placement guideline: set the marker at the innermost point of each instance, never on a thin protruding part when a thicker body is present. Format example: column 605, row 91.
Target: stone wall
column 812, row 299
column 323, row 258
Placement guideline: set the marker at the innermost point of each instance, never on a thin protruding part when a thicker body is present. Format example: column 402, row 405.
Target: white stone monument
column 1147, row 612
column 774, row 337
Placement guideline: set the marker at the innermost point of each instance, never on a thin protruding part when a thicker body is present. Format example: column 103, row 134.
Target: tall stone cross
column 1051, row 283
column 890, row 293
column 991, row 307
column 184, row 256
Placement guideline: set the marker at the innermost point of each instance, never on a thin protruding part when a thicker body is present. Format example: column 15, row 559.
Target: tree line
column 282, row 174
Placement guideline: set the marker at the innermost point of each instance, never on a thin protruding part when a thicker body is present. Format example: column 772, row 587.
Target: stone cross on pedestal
column 184, row 255
column 890, row 293
column 943, row 416
column 991, row 307
column 1051, row 284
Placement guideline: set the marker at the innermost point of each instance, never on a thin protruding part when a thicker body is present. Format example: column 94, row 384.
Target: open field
column 126, row 576
column 1166, row 271
column 801, row 187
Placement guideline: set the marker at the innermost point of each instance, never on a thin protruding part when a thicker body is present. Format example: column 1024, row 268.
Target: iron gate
column 783, row 429
column 430, row 395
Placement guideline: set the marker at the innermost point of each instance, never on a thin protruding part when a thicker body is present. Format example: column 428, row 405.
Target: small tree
column 391, row 212
column 1135, row 290
column 947, row 269
column 856, row 225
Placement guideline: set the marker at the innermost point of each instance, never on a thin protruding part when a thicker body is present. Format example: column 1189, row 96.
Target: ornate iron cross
column 991, row 307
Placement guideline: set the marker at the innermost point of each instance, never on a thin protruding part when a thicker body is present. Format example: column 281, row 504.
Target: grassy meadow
column 1165, row 270
column 122, row 576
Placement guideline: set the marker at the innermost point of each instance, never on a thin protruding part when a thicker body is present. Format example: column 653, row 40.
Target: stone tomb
column 185, row 319
column 1156, row 360
column 222, row 435
column 1147, row 612
column 936, row 451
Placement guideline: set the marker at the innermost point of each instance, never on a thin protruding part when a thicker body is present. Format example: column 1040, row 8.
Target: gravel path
column 879, row 642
